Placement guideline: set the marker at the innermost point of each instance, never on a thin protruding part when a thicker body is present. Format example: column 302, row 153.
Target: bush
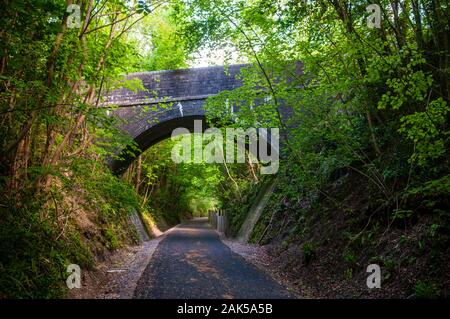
column 309, row 251
column 111, row 237
column 425, row 290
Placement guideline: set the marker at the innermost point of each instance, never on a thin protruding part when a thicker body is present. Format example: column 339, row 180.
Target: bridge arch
column 176, row 98
column 171, row 99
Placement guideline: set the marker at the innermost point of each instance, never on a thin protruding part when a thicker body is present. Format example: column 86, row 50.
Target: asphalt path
column 191, row 262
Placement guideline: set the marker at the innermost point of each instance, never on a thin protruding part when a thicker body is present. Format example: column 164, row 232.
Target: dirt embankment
column 116, row 271
column 117, row 276
column 324, row 248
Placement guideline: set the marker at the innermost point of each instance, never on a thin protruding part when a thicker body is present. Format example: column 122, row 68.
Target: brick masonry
column 150, row 116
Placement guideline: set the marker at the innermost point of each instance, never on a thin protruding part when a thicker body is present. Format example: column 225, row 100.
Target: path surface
column 191, row 262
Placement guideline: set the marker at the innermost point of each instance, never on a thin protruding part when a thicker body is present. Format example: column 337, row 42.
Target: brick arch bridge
column 180, row 98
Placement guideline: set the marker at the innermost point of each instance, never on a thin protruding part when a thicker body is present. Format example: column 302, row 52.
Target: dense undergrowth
column 77, row 221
